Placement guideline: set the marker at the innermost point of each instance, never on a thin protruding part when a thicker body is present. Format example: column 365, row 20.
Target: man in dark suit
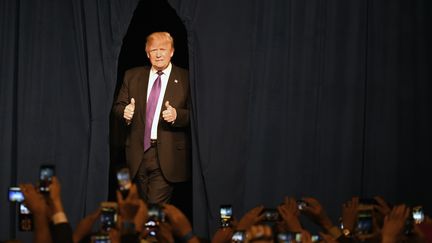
column 154, row 104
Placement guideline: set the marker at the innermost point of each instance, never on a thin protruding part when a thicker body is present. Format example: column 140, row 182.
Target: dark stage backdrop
column 290, row 97
column 58, row 66
column 319, row 98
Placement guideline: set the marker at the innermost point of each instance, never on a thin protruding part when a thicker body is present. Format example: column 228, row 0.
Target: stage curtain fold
column 59, row 71
column 329, row 99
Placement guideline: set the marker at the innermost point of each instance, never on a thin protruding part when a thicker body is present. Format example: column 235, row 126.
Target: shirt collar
column 165, row 71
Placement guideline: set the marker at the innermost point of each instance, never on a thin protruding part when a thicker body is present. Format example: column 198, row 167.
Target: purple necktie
column 151, row 108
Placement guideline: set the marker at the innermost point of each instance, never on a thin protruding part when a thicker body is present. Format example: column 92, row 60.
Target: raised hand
column 382, row 206
column 250, row 218
column 170, row 114
column 223, row 235
column 289, row 213
column 349, row 213
column 55, row 202
column 129, row 111
column 132, row 208
column 260, row 233
column 327, row 238
column 394, row 224
column 178, row 220
column 316, row 212
column 34, row 200
column 85, row 226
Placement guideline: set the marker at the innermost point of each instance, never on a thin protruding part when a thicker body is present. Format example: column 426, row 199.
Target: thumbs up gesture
column 129, row 111
column 170, row 114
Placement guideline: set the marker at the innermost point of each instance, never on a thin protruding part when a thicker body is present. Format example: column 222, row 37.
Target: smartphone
column 23, row 210
column 25, row 219
column 271, row 215
column 238, row 236
column 124, row 181
column 108, row 217
column 368, row 201
column 100, row 238
column 46, row 174
column 301, row 204
column 316, row 238
column 225, row 216
column 288, row 237
column 417, row 214
column 364, row 225
column 15, row 194
column 156, row 215
column 155, row 211
column 152, row 227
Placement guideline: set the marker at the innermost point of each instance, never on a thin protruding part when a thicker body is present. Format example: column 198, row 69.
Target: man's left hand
column 170, row 114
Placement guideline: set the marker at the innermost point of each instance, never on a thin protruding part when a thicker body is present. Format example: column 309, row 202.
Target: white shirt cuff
column 59, row 218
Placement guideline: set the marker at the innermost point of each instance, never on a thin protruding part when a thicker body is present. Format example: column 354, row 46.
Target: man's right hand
column 129, row 111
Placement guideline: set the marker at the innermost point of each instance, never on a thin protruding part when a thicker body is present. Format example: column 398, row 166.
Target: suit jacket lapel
column 170, row 91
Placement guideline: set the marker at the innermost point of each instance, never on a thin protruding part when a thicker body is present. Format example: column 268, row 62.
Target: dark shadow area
column 150, row 16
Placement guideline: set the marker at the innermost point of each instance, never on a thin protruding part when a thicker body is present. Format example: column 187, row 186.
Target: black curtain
column 58, row 74
column 319, row 98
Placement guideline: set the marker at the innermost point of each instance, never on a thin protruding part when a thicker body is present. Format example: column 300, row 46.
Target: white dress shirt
column 152, row 78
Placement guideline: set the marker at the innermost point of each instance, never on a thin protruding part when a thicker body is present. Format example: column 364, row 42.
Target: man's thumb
column 133, row 101
column 167, row 105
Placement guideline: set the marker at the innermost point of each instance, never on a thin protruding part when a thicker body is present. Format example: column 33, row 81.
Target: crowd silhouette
column 131, row 219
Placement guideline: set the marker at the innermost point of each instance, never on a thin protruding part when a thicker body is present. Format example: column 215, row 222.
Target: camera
column 46, row 173
column 225, row 216
column 238, row 236
column 124, row 181
column 156, row 215
column 15, row 194
column 25, row 219
column 108, row 217
column 417, row 214
column 289, row 237
column 271, row 215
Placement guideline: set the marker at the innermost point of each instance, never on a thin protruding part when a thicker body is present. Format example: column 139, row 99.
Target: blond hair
column 161, row 36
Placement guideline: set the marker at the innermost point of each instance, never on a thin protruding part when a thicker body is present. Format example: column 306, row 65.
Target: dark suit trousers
column 152, row 185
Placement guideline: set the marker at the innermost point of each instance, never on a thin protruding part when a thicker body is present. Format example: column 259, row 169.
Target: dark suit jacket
column 173, row 139
column 61, row 233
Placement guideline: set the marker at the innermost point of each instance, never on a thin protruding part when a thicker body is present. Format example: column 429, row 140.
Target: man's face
column 160, row 51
